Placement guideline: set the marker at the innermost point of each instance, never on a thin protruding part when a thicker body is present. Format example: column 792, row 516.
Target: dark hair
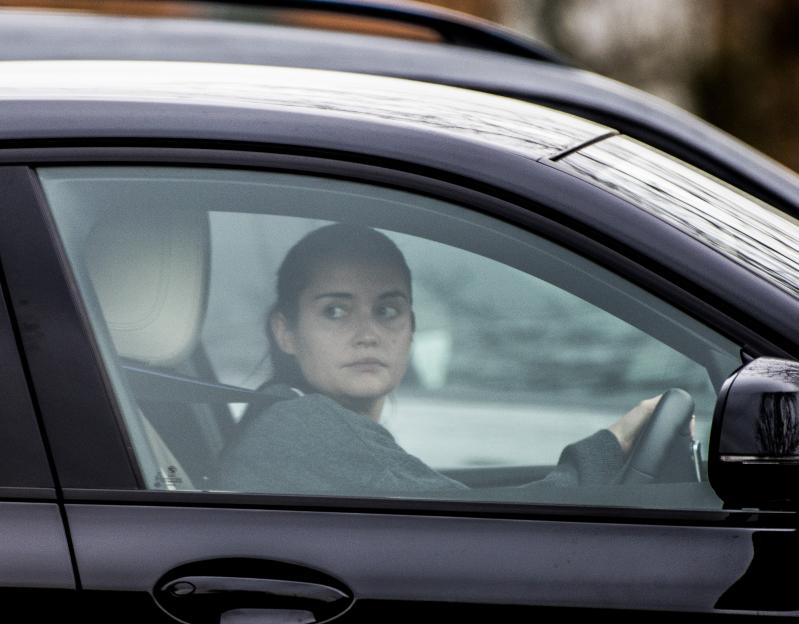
column 324, row 246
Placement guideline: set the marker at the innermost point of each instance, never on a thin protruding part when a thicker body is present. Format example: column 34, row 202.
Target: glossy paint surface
column 28, row 35
column 408, row 558
column 526, row 129
column 762, row 239
column 33, row 548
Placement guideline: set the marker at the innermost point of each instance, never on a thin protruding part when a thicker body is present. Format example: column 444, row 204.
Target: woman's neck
column 368, row 407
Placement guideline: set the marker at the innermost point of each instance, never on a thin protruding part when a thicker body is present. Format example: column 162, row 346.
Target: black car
column 557, row 274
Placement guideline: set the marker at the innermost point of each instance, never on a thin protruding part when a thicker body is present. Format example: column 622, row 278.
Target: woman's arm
column 597, row 459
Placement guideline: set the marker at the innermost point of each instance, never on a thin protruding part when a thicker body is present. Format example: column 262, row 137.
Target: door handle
column 199, row 585
column 247, row 591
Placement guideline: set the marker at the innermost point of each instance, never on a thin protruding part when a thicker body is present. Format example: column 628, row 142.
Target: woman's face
column 352, row 334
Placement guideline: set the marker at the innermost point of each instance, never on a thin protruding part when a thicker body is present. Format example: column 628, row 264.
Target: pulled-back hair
column 327, row 245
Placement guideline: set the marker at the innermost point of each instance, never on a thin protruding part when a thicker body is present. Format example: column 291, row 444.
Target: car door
column 141, row 293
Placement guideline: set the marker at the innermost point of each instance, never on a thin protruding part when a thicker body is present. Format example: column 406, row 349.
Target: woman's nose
column 366, row 331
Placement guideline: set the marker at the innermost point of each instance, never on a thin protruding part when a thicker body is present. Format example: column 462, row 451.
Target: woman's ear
column 281, row 330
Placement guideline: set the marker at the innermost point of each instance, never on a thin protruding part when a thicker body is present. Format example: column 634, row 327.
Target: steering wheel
column 668, row 425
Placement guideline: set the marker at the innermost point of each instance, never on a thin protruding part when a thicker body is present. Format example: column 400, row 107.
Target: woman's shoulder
column 274, row 398
column 313, row 414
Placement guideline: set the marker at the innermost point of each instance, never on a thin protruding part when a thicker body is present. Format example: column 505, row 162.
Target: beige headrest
column 148, row 268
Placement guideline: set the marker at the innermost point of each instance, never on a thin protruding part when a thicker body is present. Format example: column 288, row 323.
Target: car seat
column 149, row 272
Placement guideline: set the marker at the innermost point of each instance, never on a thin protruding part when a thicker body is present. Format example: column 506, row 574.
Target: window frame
column 25, row 466
column 117, row 480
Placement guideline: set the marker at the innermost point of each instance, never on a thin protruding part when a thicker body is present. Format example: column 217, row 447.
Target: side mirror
column 754, row 444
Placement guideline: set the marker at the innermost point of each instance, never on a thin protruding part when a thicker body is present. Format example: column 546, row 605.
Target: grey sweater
column 313, row 445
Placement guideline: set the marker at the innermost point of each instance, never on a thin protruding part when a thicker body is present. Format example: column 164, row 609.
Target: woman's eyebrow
column 334, row 295
column 394, row 293
column 345, row 295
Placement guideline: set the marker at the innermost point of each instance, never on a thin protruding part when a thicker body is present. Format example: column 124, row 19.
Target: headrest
column 149, row 271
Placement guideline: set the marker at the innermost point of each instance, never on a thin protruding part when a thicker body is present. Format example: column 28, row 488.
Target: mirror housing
column 754, row 444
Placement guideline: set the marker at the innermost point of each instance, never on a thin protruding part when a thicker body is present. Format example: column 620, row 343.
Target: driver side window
column 528, row 364
column 276, row 333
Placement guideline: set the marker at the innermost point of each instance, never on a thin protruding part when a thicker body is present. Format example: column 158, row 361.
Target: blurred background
column 734, row 63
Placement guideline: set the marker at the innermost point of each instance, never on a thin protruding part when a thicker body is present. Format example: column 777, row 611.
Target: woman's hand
column 627, row 428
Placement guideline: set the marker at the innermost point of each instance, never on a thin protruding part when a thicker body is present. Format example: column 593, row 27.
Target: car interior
column 145, row 275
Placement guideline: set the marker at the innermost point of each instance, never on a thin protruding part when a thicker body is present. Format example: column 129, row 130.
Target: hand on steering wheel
column 670, row 420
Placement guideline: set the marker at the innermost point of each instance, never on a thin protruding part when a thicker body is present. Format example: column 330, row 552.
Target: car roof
column 477, row 140
column 522, row 128
column 59, row 35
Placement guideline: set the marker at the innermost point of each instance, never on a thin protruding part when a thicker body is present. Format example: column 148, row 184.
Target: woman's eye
column 388, row 312
column 335, row 311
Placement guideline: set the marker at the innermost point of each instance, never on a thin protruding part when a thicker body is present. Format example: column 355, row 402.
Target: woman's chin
column 368, row 386
column 366, row 392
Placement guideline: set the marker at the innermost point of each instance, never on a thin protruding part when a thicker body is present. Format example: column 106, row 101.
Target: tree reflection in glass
column 778, row 424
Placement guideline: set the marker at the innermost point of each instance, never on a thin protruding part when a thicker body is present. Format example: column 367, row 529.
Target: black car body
column 97, row 158
column 446, row 48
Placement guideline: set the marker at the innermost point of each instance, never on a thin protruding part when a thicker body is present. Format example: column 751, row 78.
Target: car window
column 289, row 334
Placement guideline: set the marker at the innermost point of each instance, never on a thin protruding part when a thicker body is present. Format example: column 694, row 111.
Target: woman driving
column 340, row 336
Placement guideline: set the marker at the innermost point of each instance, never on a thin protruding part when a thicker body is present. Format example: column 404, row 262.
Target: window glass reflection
column 290, row 334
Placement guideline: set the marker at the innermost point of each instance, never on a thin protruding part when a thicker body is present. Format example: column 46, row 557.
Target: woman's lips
column 366, row 363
